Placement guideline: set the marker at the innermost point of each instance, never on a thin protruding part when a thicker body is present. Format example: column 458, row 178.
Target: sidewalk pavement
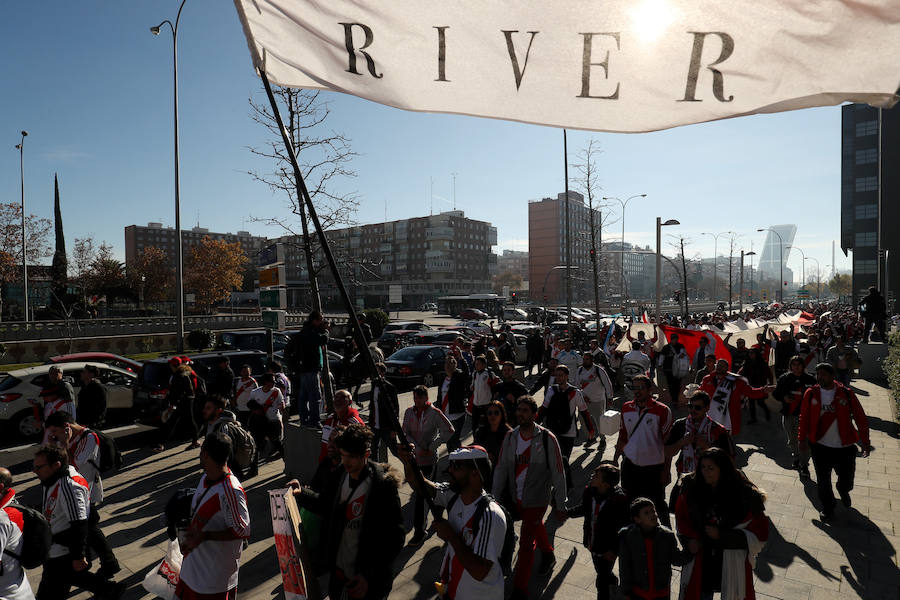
column 854, row 556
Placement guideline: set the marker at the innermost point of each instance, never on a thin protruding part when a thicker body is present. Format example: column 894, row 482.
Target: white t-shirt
column 274, row 398
column 576, row 403
column 488, row 544
column 13, row 583
column 242, row 392
column 523, row 460
column 212, row 567
column 832, row 437
column 84, row 451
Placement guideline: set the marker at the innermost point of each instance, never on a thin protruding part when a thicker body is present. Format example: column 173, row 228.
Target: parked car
column 476, row 326
column 514, row 314
column 116, row 360
column 428, row 306
column 391, row 341
column 153, row 379
column 436, row 338
column 407, row 326
column 253, row 340
column 22, row 387
column 416, row 364
column 473, row 314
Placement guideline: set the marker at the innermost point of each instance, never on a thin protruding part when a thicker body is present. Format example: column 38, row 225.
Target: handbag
column 162, row 579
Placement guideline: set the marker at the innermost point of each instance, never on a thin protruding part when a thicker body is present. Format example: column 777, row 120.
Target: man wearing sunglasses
column 693, row 434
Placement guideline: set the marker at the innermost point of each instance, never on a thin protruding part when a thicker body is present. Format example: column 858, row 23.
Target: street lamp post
column 179, row 276
column 624, row 203
column 780, row 263
column 21, row 147
column 659, row 226
column 741, row 286
column 802, row 263
column 715, row 237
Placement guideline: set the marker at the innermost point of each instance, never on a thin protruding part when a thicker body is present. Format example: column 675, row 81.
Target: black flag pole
column 358, row 336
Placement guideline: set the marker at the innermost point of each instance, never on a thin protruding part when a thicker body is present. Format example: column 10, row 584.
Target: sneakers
column 548, row 561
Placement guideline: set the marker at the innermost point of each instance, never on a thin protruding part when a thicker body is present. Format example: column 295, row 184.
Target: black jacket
column 303, row 352
column 381, row 535
column 514, row 388
column 92, row 403
column 786, row 389
column 387, row 402
column 612, row 517
column 458, row 392
column 222, row 383
column 545, row 379
column 633, row 569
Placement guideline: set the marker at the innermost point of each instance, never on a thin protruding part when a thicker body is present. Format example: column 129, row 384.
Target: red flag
column 690, row 339
column 644, row 317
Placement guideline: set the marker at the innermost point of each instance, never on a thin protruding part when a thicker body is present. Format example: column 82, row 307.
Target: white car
column 20, row 392
column 514, row 314
column 476, row 326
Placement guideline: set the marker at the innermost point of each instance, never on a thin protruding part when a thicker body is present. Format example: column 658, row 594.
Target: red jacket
column 741, row 389
column 847, row 411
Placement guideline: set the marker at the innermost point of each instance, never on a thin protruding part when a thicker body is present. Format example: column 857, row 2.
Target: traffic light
column 513, row 298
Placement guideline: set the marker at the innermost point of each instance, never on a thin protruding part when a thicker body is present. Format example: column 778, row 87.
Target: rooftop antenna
column 453, row 180
column 198, row 218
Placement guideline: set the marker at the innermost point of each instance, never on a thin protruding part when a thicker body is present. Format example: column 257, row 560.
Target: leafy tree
column 213, row 269
column 106, row 275
column 151, row 275
column 513, row 280
column 841, row 284
column 37, row 240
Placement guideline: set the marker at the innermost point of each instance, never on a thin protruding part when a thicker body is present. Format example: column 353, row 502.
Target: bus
column 454, row 305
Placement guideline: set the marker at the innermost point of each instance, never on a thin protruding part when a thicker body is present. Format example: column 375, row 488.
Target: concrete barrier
column 872, row 355
column 301, row 451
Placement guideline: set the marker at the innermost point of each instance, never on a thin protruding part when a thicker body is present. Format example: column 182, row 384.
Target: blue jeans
column 310, row 398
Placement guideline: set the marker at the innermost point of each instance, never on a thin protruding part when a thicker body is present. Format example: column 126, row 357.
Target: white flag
column 616, row 65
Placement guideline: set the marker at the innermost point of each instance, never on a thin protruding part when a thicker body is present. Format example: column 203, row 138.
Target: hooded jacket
column 543, row 481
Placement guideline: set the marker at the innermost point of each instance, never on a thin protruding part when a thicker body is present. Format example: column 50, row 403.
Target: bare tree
column 678, row 244
column 324, row 156
column 589, row 181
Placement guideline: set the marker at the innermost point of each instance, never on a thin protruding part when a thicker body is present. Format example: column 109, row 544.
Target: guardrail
column 79, row 328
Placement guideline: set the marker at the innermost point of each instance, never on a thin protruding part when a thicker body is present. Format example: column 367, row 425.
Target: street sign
column 274, row 319
column 395, row 294
column 270, row 255
column 274, row 298
column 272, row 276
column 803, row 293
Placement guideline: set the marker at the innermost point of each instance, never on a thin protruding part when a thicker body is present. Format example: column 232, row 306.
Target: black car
column 391, row 341
column 152, row 383
column 253, row 340
column 416, row 364
column 436, row 338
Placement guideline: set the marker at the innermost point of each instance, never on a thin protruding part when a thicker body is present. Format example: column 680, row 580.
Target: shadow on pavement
column 781, row 553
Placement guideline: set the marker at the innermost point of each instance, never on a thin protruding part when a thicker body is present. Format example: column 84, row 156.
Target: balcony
column 436, row 254
column 439, row 266
column 439, row 233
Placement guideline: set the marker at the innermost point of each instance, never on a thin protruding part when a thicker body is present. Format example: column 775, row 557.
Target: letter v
column 519, row 73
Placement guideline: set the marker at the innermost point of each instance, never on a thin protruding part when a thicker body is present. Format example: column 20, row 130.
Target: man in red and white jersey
column 475, row 528
column 643, row 432
column 66, row 506
column 14, row 584
column 268, row 406
column 242, row 390
column 220, row 522
column 728, row 391
column 343, row 414
column 597, row 390
column 483, row 382
column 83, row 447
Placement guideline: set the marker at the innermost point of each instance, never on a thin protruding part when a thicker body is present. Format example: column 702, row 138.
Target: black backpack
column 110, row 457
column 557, row 418
column 178, row 511
column 509, row 539
column 36, row 537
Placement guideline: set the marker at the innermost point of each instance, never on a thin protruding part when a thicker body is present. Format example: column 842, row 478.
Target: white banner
column 616, row 65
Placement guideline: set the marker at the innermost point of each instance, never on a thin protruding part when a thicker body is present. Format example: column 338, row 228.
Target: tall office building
column 870, row 196
column 773, row 258
column 138, row 237
column 547, row 248
column 513, row 261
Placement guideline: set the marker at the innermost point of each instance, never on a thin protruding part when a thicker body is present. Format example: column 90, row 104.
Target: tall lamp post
column 624, row 203
column 715, row 237
column 21, row 148
column 659, row 226
column 741, row 286
column 803, row 265
column 179, row 276
column 780, row 263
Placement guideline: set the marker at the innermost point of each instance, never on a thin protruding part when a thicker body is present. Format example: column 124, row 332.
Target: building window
column 866, row 184
column 866, row 238
column 867, row 156
column 866, row 128
column 865, row 267
column 866, row 211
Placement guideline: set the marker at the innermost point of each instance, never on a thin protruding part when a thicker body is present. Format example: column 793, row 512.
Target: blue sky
column 93, row 88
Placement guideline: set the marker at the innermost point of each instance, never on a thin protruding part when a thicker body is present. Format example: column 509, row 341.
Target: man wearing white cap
column 475, row 528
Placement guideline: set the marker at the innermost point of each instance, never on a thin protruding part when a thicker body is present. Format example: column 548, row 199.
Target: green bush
column 892, row 367
column 377, row 319
column 201, row 339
